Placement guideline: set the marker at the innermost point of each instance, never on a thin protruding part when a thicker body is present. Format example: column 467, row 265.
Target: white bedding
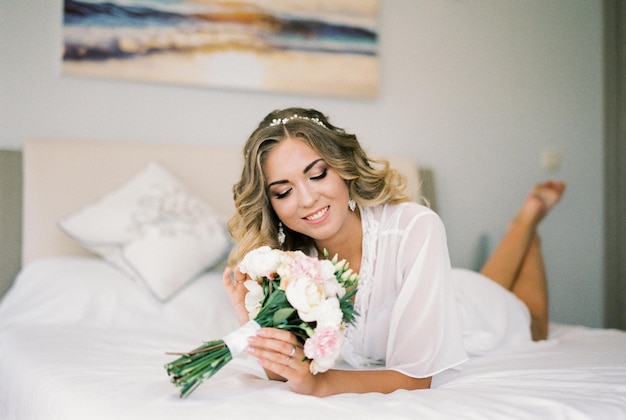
column 79, row 340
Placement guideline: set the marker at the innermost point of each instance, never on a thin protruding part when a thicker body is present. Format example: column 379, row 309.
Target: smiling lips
column 318, row 215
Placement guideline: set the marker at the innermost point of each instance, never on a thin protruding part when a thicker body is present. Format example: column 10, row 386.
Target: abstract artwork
column 322, row 47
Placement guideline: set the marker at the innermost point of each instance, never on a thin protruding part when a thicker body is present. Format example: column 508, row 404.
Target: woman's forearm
column 383, row 381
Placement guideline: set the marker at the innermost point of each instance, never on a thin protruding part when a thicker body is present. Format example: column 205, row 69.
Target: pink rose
column 318, row 271
column 323, row 348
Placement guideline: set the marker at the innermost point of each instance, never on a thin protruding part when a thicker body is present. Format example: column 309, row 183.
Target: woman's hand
column 281, row 355
column 278, row 351
column 236, row 292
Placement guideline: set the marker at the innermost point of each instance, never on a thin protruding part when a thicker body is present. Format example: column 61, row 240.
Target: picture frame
column 318, row 48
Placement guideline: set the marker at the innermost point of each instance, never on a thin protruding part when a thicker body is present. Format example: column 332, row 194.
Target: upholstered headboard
column 61, row 176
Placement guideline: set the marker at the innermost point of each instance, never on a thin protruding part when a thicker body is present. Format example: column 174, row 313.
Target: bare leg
column 505, row 263
column 517, row 264
column 532, row 289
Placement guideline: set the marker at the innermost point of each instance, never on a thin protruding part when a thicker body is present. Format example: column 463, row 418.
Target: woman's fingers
column 238, row 276
column 236, row 292
column 233, row 277
column 277, row 356
column 276, row 340
column 226, row 279
column 276, row 350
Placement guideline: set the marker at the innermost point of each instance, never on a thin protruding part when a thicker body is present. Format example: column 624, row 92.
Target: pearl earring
column 281, row 234
column 351, row 204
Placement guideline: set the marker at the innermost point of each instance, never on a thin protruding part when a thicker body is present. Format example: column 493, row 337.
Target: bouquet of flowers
column 312, row 298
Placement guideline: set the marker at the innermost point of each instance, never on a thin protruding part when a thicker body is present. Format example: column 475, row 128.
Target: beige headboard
column 62, row 176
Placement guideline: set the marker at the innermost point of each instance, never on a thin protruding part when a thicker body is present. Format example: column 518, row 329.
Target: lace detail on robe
column 352, row 350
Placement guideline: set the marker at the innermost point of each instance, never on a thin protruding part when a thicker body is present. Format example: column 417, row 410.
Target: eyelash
column 314, row 178
column 282, row 195
column 320, row 176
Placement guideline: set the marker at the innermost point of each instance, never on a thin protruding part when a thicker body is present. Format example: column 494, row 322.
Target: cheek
column 283, row 208
column 338, row 186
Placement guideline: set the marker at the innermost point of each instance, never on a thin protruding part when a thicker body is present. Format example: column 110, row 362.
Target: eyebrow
column 304, row 171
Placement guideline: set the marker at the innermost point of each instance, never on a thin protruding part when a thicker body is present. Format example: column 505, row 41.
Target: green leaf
column 282, row 315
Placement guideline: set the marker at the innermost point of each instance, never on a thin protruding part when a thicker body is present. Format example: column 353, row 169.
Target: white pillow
column 153, row 229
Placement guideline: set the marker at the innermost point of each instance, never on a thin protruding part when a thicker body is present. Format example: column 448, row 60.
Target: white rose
column 253, row 298
column 331, row 285
column 328, row 313
column 260, row 262
column 305, row 296
column 333, row 288
column 321, row 365
column 328, row 269
column 283, row 268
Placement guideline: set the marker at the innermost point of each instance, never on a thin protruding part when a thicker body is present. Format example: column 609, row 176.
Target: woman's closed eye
column 282, row 194
column 279, row 195
column 320, row 176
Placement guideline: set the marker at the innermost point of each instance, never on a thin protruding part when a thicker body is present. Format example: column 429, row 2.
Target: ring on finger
column 293, row 351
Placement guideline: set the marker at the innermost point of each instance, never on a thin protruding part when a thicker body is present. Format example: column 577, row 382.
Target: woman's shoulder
column 403, row 215
column 407, row 208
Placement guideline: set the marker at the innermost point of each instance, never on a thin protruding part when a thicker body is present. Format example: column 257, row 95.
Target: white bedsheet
column 78, row 340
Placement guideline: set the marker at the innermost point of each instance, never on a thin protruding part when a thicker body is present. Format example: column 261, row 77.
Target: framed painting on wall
column 323, row 47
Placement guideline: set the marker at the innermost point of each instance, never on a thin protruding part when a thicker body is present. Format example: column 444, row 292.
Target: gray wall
column 476, row 90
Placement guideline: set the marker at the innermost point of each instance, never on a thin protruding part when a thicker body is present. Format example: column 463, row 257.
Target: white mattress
column 78, row 340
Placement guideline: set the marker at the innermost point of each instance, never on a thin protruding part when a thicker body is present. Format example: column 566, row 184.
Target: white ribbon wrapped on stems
column 237, row 341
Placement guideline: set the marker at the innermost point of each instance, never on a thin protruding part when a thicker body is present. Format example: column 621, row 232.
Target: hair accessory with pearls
column 279, row 121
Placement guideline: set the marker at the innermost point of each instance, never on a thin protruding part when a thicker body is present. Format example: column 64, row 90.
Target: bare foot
column 549, row 192
column 541, row 199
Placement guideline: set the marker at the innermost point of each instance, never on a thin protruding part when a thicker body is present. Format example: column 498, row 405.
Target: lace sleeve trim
column 355, row 333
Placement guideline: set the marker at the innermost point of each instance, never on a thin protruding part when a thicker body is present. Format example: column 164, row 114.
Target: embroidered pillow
column 154, row 230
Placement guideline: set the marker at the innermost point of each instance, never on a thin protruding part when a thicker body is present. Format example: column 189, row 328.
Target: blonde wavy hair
column 370, row 182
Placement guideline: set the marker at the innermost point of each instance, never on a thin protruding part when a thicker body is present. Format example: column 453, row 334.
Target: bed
column 86, row 325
